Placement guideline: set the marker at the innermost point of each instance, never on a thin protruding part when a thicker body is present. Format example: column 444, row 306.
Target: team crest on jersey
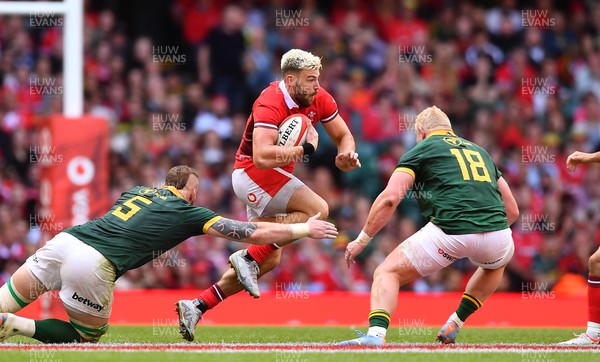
column 454, row 141
column 311, row 115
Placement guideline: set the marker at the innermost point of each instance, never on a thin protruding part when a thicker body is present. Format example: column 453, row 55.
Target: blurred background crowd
column 176, row 81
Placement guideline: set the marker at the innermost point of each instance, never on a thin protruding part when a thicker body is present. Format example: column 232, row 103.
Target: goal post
column 72, row 10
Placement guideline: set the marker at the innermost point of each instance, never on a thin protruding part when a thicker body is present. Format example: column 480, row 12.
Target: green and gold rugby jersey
column 455, row 184
column 144, row 223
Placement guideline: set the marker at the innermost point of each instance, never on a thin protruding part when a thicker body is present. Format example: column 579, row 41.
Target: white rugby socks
column 593, row 330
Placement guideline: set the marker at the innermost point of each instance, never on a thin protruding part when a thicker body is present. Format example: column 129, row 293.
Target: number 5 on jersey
column 476, row 164
column 133, row 208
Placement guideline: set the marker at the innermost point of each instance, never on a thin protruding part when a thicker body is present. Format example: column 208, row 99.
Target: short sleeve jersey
column 273, row 106
column 143, row 224
column 455, row 184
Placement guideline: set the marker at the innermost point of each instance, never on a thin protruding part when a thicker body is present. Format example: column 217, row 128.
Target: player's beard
column 302, row 99
column 305, row 100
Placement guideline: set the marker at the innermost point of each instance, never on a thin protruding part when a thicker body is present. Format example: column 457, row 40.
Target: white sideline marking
column 299, row 348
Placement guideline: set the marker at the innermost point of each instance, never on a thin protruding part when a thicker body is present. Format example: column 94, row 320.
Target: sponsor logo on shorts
column 490, row 262
column 254, row 200
column 446, row 255
column 87, row 302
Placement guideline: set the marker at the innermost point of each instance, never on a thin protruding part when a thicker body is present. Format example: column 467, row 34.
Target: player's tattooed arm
column 234, row 229
column 268, row 232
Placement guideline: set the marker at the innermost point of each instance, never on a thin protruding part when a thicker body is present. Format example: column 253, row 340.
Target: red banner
column 73, row 154
column 336, row 309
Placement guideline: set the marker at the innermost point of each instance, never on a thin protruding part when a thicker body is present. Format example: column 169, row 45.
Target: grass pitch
column 302, row 344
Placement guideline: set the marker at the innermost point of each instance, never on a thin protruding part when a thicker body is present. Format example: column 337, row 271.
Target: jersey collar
column 441, row 132
column 174, row 191
column 289, row 102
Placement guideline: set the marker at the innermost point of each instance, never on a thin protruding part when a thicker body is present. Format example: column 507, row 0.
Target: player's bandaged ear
column 11, row 300
column 89, row 333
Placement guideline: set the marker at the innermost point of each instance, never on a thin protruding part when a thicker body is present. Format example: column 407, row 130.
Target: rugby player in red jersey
column 262, row 176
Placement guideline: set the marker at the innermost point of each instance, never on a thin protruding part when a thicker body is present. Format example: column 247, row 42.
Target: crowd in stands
column 176, row 81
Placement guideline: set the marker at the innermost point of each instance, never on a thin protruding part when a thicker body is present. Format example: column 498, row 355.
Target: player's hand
column 347, row 161
column 575, row 159
column 352, row 250
column 321, row 229
column 312, row 136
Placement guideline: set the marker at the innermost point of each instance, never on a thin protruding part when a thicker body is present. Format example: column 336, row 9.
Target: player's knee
column 379, row 272
column 90, row 334
column 386, row 270
column 594, row 263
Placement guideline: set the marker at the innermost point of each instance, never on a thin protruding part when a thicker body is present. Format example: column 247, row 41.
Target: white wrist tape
column 363, row 238
column 299, row 230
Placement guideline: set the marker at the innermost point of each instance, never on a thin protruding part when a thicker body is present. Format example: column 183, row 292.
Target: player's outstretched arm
column 267, row 154
column 347, row 158
column 577, row 157
column 510, row 204
column 268, row 233
column 382, row 210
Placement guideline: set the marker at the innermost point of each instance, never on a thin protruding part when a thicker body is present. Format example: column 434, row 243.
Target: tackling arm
column 268, row 233
column 386, row 203
column 382, row 210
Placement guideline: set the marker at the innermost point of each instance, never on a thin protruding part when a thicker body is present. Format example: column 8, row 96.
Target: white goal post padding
column 72, row 45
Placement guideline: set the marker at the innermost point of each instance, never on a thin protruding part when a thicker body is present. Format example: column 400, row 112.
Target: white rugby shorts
column 431, row 249
column 83, row 275
column 266, row 193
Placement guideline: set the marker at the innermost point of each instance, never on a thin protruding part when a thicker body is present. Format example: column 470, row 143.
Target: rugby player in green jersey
column 83, row 261
column 469, row 207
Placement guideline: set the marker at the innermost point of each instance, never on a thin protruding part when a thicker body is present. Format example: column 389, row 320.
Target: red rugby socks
column 261, row 252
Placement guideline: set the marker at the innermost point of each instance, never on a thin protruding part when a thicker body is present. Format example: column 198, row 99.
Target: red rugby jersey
column 273, row 106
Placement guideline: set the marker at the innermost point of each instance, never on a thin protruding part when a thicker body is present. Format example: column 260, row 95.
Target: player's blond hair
column 298, row 59
column 431, row 119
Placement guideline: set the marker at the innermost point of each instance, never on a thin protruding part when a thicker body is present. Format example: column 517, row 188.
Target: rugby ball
column 293, row 130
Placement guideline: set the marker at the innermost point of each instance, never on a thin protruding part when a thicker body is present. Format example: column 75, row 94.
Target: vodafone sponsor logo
column 80, row 171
